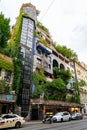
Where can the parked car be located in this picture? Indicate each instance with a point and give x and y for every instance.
(61, 116)
(76, 116)
(11, 120)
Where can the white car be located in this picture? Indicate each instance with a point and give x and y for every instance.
(61, 116)
(11, 120)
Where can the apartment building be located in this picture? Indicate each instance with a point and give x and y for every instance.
(7, 95)
(37, 50)
(47, 56)
(81, 72)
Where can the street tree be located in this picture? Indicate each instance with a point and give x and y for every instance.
(4, 31)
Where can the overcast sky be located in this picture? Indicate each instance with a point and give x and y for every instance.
(65, 19)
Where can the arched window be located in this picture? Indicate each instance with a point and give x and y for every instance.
(55, 63)
(62, 66)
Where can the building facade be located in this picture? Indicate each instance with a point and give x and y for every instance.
(81, 71)
(36, 50)
(7, 95)
(26, 54)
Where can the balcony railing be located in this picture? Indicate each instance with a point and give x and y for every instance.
(7, 97)
(48, 70)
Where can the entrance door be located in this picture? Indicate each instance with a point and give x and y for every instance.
(4, 108)
(34, 114)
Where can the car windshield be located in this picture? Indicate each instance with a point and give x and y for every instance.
(59, 113)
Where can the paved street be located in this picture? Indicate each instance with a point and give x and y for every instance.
(72, 125)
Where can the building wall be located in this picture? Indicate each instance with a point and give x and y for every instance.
(81, 71)
(7, 99)
(9, 78)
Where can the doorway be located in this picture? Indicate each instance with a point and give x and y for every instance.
(34, 114)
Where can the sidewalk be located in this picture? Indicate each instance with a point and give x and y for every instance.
(34, 122)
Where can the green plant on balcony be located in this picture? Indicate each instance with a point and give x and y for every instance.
(38, 34)
(6, 65)
(40, 25)
(44, 42)
(4, 87)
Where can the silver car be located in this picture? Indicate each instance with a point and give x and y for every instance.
(76, 116)
(61, 116)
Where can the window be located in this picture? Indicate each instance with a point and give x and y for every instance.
(49, 66)
(49, 59)
(65, 113)
(7, 76)
(39, 52)
(39, 61)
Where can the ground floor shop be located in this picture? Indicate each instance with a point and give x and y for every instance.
(6, 107)
(40, 108)
(7, 102)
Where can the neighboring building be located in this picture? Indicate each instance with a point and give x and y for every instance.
(7, 96)
(81, 72)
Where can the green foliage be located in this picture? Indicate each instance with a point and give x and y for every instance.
(54, 44)
(59, 85)
(55, 90)
(39, 80)
(6, 65)
(4, 31)
(65, 75)
(82, 83)
(17, 75)
(75, 93)
(4, 87)
(43, 41)
(37, 33)
(42, 27)
(67, 52)
(14, 45)
(74, 99)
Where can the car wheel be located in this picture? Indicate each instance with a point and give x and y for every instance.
(69, 119)
(61, 119)
(17, 125)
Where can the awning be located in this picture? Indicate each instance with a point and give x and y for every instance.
(55, 103)
(44, 49)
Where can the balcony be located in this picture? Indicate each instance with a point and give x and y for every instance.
(7, 98)
(48, 70)
(49, 79)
